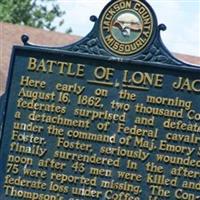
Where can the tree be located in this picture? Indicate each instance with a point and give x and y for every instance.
(35, 13)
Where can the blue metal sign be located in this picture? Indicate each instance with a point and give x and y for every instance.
(114, 116)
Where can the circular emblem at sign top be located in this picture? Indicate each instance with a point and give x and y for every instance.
(126, 27)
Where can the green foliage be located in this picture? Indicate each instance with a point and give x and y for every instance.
(35, 13)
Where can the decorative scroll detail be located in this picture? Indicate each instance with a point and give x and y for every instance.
(157, 52)
(90, 46)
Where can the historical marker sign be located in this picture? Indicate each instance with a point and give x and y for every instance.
(113, 116)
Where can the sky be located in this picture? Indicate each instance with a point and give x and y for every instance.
(182, 18)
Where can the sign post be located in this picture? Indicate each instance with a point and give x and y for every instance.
(114, 116)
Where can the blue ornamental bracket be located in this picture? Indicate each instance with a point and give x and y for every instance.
(153, 51)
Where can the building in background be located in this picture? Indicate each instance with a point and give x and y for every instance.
(11, 35)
